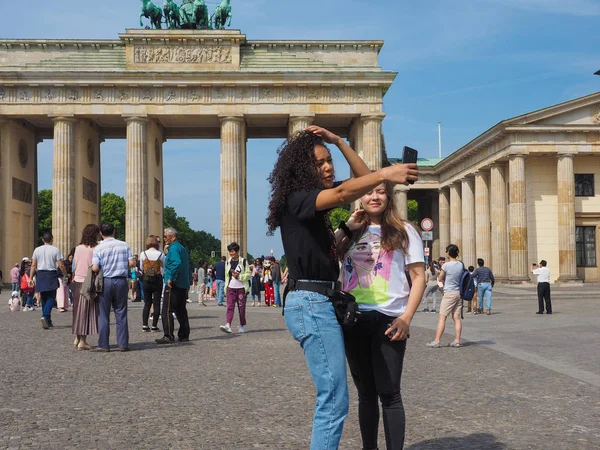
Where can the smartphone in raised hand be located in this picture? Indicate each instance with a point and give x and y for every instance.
(409, 156)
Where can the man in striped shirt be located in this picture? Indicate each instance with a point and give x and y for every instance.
(485, 283)
(115, 259)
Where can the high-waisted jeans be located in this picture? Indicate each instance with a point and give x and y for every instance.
(311, 319)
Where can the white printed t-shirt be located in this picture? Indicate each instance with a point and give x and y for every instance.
(377, 278)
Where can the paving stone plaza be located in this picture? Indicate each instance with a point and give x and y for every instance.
(522, 381)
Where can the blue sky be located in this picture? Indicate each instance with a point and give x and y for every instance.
(465, 63)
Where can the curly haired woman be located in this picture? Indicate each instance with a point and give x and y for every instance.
(303, 191)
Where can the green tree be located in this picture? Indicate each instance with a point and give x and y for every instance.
(338, 215)
(112, 210)
(44, 211)
(413, 212)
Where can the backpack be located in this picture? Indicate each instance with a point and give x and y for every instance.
(25, 283)
(467, 285)
(151, 269)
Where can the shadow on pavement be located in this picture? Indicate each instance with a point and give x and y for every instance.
(202, 317)
(274, 330)
(469, 343)
(477, 441)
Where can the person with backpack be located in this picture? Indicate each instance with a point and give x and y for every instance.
(452, 276)
(152, 262)
(237, 286)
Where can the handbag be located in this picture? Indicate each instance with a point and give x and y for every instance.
(346, 309)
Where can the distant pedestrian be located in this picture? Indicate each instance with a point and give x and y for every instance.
(152, 263)
(257, 282)
(14, 304)
(276, 275)
(201, 272)
(432, 288)
(543, 287)
(268, 283)
(26, 289)
(450, 275)
(46, 259)
(472, 305)
(219, 276)
(85, 310)
(115, 259)
(177, 275)
(237, 282)
(14, 278)
(194, 287)
(485, 283)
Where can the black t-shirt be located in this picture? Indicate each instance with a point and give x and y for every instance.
(308, 239)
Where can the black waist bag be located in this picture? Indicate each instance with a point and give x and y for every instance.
(346, 309)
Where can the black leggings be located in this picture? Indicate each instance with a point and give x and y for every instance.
(376, 367)
(152, 294)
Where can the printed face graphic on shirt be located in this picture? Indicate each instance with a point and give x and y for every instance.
(365, 258)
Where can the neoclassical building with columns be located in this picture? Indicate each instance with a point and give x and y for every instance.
(525, 190)
(148, 86)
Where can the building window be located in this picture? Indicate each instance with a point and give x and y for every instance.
(584, 185)
(585, 238)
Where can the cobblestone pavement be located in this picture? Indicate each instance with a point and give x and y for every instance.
(522, 382)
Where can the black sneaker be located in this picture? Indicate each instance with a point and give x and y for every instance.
(184, 339)
(146, 328)
(154, 329)
(165, 340)
(45, 325)
(540, 312)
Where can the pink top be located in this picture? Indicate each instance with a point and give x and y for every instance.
(14, 275)
(82, 261)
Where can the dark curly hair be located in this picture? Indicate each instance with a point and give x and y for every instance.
(89, 236)
(295, 170)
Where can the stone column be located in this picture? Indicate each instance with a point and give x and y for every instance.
(371, 149)
(435, 216)
(299, 123)
(63, 184)
(444, 211)
(483, 247)
(233, 203)
(566, 218)
(518, 220)
(468, 221)
(136, 185)
(401, 200)
(456, 216)
(499, 219)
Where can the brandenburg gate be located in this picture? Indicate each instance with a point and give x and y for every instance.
(152, 85)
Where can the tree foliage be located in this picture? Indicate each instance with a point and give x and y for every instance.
(112, 210)
(337, 215)
(413, 212)
(199, 244)
(44, 211)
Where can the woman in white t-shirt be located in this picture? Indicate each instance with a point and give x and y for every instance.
(377, 246)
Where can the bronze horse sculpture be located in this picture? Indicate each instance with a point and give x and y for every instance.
(152, 12)
(222, 13)
(171, 11)
(194, 15)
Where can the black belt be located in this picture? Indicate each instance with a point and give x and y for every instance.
(326, 288)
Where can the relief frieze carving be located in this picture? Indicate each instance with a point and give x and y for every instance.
(157, 191)
(167, 54)
(2, 94)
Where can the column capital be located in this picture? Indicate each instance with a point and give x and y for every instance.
(307, 116)
(63, 118)
(497, 165)
(232, 118)
(514, 156)
(372, 116)
(443, 189)
(561, 155)
(135, 118)
(401, 188)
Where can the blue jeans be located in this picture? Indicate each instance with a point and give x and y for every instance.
(115, 295)
(15, 286)
(312, 322)
(484, 289)
(28, 299)
(220, 291)
(48, 302)
(277, 287)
